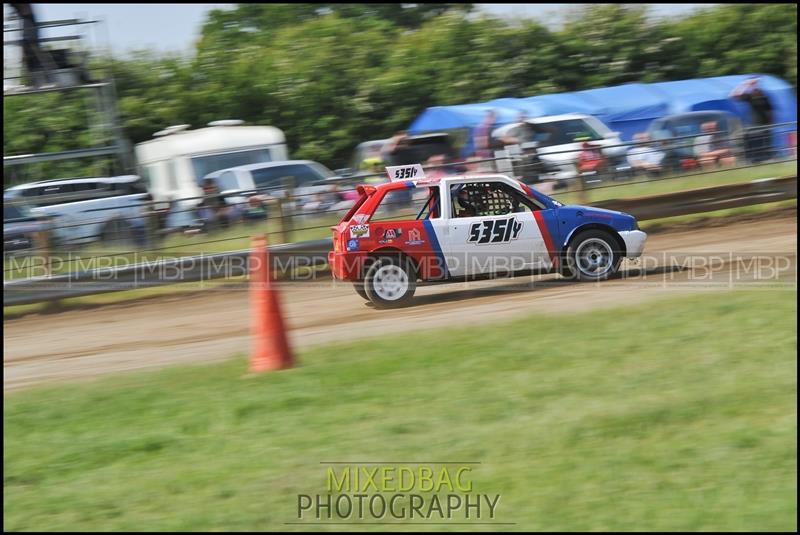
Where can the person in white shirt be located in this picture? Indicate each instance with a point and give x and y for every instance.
(712, 148)
(645, 156)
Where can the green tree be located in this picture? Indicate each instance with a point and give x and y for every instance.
(737, 39)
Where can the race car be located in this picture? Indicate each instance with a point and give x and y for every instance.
(470, 227)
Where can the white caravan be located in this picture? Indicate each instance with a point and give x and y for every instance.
(174, 163)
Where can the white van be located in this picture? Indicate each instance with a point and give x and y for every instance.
(558, 140)
(174, 163)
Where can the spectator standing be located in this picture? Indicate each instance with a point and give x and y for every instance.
(482, 136)
(761, 114)
(482, 141)
(398, 151)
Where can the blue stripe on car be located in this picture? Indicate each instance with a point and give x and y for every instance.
(436, 248)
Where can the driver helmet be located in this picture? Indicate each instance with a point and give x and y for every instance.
(466, 201)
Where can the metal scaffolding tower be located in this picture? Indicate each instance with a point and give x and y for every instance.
(59, 64)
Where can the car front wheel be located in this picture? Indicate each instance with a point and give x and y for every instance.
(390, 282)
(593, 255)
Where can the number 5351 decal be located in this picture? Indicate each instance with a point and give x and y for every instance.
(495, 231)
(405, 172)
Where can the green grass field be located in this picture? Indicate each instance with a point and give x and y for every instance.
(669, 184)
(677, 415)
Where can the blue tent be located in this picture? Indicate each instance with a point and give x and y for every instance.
(627, 108)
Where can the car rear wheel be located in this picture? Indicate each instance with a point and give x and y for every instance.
(592, 255)
(390, 282)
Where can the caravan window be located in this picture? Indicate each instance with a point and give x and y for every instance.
(204, 165)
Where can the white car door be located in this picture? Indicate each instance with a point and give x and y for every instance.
(497, 240)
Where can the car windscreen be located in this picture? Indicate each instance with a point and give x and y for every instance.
(298, 175)
(11, 211)
(522, 131)
(204, 165)
(564, 132)
(692, 125)
(229, 181)
(423, 148)
(51, 194)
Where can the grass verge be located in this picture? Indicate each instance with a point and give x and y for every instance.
(679, 415)
(670, 184)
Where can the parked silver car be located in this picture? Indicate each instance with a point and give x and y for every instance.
(311, 186)
(85, 210)
(677, 132)
(21, 229)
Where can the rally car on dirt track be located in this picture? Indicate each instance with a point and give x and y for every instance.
(468, 227)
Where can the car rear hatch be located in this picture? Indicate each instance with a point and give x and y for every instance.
(339, 230)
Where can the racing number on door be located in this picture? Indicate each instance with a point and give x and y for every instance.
(495, 231)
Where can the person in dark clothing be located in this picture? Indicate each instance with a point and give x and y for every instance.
(213, 211)
(759, 141)
(398, 151)
(482, 136)
(31, 53)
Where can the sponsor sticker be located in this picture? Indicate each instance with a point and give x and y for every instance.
(359, 231)
(360, 218)
(392, 233)
(352, 245)
(414, 237)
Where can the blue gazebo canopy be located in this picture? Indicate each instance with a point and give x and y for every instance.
(627, 108)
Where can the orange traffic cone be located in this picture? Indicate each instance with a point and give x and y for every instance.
(270, 343)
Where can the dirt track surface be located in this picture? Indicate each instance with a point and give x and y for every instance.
(215, 325)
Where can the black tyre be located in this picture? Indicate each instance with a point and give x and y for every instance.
(592, 255)
(390, 282)
(359, 288)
